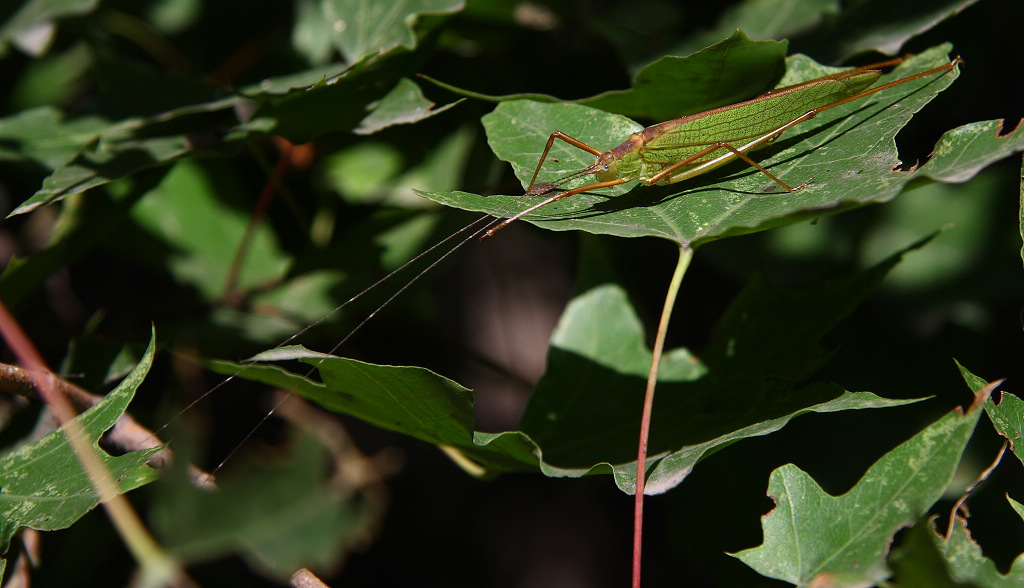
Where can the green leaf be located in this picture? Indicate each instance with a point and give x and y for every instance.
(964, 151)
(1007, 415)
(89, 152)
(1017, 507)
(312, 33)
(724, 73)
(404, 104)
(811, 537)
(43, 486)
(363, 27)
(849, 152)
(201, 252)
(727, 71)
(585, 411)
(1022, 209)
(918, 562)
(764, 19)
(858, 28)
(962, 210)
(967, 563)
(42, 135)
(32, 27)
(830, 30)
(409, 400)
(1008, 418)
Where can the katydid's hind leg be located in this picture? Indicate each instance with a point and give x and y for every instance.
(531, 189)
(667, 172)
(756, 165)
(879, 65)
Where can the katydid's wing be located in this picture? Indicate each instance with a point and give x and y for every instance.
(745, 126)
(755, 118)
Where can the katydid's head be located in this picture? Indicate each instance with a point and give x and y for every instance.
(606, 168)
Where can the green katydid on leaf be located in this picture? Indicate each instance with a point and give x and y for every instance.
(846, 155)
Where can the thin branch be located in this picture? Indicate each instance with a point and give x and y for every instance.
(155, 564)
(126, 434)
(959, 504)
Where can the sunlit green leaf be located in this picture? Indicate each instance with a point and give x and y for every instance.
(811, 537)
(365, 27)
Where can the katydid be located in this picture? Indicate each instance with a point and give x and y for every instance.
(688, 146)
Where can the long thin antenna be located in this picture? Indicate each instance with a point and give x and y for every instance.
(482, 228)
(284, 398)
(334, 311)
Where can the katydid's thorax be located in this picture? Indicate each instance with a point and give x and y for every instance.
(629, 160)
(623, 161)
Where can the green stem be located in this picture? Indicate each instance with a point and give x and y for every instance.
(685, 255)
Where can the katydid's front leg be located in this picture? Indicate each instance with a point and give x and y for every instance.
(543, 157)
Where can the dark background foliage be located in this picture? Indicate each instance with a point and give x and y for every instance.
(484, 318)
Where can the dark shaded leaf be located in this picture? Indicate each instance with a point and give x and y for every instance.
(278, 515)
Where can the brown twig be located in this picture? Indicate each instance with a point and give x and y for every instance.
(959, 504)
(255, 218)
(126, 434)
(354, 470)
(306, 579)
(155, 564)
